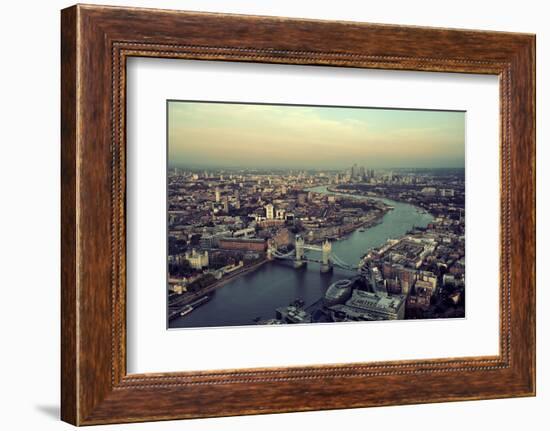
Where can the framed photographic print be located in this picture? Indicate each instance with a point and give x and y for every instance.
(321, 214)
(269, 202)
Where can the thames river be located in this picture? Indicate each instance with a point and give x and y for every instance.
(256, 295)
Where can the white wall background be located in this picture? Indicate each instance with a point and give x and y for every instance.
(29, 215)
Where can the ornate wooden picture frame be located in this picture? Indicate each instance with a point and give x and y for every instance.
(96, 41)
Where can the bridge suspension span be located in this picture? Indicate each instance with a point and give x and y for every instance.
(300, 258)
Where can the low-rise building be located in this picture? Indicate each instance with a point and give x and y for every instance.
(197, 260)
(244, 244)
(365, 305)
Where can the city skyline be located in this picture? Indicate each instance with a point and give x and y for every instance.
(257, 136)
(246, 248)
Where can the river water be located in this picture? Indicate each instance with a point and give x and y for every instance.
(275, 284)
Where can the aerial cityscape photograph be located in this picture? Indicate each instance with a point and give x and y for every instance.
(295, 214)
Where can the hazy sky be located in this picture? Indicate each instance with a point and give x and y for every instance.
(270, 136)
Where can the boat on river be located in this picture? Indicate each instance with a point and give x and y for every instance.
(186, 310)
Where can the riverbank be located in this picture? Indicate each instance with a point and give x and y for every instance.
(358, 194)
(187, 299)
(350, 229)
(367, 224)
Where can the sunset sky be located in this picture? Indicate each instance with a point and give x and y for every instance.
(220, 135)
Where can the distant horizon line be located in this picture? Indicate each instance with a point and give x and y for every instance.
(233, 168)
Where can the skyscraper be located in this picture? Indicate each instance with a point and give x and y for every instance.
(237, 199)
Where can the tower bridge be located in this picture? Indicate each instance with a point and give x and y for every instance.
(327, 261)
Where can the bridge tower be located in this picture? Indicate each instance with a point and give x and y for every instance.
(271, 249)
(299, 248)
(326, 249)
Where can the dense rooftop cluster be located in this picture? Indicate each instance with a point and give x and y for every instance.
(222, 223)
